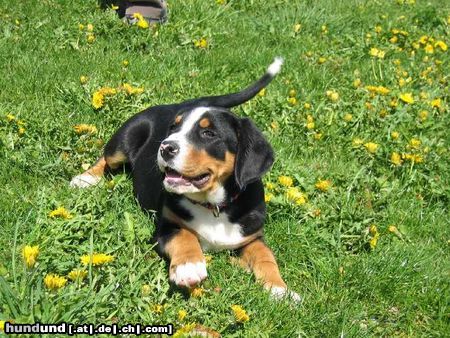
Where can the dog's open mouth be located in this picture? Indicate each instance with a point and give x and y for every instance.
(174, 178)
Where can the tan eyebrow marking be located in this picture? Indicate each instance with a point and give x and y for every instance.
(178, 119)
(205, 123)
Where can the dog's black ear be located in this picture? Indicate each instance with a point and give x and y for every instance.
(254, 154)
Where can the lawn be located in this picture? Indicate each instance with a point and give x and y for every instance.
(358, 196)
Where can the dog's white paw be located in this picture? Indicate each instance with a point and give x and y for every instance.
(84, 181)
(280, 293)
(189, 274)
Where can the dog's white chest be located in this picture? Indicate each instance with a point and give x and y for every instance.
(215, 233)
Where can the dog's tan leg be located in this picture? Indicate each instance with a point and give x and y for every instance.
(260, 259)
(187, 263)
(93, 175)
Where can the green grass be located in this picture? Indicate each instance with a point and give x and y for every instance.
(400, 287)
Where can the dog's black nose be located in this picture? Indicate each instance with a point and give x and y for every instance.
(169, 149)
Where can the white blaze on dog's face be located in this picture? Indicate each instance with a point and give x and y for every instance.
(199, 153)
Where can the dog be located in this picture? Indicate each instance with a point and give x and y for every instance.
(200, 167)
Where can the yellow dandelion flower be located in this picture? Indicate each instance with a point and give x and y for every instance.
(90, 38)
(132, 90)
(393, 230)
(394, 39)
(138, 16)
(415, 143)
(318, 135)
(286, 181)
(196, 292)
(378, 29)
(375, 236)
(181, 315)
(83, 79)
(293, 193)
(85, 129)
(436, 103)
(240, 315)
(316, 212)
(208, 259)
(21, 131)
(80, 26)
(292, 101)
(356, 142)
(98, 100)
(54, 282)
(407, 98)
(309, 118)
(322, 60)
(29, 255)
(142, 24)
(429, 49)
(292, 93)
(348, 117)
(310, 125)
(423, 39)
(297, 27)
(114, 8)
(158, 308)
(270, 186)
(368, 105)
(268, 197)
(108, 91)
(90, 27)
(274, 125)
(202, 43)
(414, 158)
(396, 159)
(378, 90)
(395, 135)
(357, 83)
(60, 212)
(323, 185)
(184, 330)
(307, 105)
(10, 117)
(423, 115)
(383, 113)
(441, 44)
(262, 92)
(145, 290)
(125, 63)
(77, 275)
(378, 53)
(332, 95)
(96, 259)
(371, 147)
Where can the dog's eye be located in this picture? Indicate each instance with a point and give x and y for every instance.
(208, 133)
(172, 127)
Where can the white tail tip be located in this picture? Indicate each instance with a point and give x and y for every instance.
(275, 66)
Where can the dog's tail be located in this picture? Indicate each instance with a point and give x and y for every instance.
(235, 99)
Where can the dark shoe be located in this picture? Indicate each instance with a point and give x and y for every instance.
(151, 10)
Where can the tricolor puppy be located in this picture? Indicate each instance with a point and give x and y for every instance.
(200, 167)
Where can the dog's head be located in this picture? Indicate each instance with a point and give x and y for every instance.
(207, 147)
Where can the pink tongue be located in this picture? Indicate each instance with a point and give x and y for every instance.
(176, 179)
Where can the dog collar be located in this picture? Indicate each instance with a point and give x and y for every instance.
(215, 208)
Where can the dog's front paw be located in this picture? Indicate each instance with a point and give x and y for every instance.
(279, 293)
(84, 181)
(188, 274)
